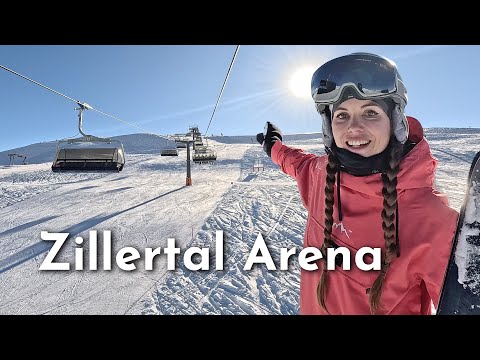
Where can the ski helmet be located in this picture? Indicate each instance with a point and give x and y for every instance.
(362, 76)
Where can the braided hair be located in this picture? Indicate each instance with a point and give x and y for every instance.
(389, 217)
(332, 166)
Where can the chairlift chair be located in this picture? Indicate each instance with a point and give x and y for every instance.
(88, 152)
(169, 151)
(201, 148)
(198, 140)
(180, 145)
(203, 154)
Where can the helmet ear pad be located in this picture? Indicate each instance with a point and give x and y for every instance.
(399, 124)
(327, 127)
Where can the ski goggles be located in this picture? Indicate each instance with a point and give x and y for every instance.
(371, 76)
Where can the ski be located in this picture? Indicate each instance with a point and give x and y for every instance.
(461, 287)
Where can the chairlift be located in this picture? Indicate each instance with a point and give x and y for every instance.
(12, 158)
(201, 148)
(180, 145)
(193, 130)
(204, 155)
(169, 151)
(88, 152)
(198, 141)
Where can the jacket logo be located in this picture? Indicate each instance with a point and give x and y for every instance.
(342, 229)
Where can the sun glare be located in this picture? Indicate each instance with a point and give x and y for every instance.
(300, 82)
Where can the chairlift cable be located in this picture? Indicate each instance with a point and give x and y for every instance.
(83, 105)
(35, 82)
(138, 127)
(223, 87)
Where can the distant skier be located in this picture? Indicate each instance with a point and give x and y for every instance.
(374, 188)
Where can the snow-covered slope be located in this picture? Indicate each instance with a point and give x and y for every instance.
(148, 203)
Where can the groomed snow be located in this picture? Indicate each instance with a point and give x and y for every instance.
(147, 203)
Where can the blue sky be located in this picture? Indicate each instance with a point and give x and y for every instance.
(166, 88)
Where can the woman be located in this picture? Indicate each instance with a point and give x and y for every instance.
(374, 188)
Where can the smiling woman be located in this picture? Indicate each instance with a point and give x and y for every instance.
(374, 188)
(362, 126)
(300, 82)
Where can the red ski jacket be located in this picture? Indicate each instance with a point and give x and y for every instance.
(426, 228)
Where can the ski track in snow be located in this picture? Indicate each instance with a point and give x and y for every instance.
(147, 203)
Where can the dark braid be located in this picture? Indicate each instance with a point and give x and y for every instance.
(389, 191)
(390, 206)
(332, 166)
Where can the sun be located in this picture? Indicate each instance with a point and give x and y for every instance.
(300, 82)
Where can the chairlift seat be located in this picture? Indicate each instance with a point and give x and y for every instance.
(201, 149)
(169, 152)
(204, 157)
(89, 153)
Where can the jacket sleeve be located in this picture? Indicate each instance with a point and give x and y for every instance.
(434, 261)
(297, 164)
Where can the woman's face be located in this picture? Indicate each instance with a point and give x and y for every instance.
(361, 126)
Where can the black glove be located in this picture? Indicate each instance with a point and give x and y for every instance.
(269, 137)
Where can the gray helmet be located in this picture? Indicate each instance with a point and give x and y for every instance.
(361, 76)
